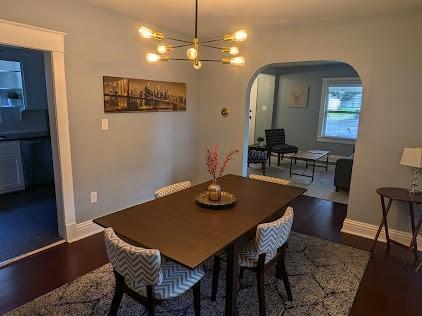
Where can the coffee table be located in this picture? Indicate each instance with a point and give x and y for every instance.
(311, 157)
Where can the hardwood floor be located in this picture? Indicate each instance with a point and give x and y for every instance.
(386, 288)
(29, 220)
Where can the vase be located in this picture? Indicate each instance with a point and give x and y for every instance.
(214, 191)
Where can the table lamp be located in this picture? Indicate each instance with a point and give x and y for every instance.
(412, 157)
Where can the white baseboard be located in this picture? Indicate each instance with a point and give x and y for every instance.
(369, 231)
(76, 232)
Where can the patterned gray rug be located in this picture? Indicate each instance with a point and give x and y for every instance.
(322, 187)
(324, 277)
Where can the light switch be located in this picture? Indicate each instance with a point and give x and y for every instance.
(104, 124)
(93, 197)
(264, 108)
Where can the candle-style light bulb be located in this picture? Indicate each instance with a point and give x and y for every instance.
(192, 53)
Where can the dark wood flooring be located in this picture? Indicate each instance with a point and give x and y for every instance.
(28, 221)
(386, 288)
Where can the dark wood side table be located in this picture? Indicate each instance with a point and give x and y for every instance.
(258, 147)
(401, 195)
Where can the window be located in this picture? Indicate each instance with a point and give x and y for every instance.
(11, 87)
(341, 100)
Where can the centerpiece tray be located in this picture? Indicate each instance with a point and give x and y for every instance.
(227, 200)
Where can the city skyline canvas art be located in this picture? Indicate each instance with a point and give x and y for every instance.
(142, 95)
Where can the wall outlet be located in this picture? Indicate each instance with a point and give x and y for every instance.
(93, 197)
(104, 124)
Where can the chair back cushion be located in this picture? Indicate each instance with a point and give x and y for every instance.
(275, 137)
(138, 266)
(269, 179)
(271, 236)
(173, 188)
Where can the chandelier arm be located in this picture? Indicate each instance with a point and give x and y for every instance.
(184, 45)
(178, 40)
(212, 60)
(196, 18)
(214, 40)
(210, 46)
(183, 59)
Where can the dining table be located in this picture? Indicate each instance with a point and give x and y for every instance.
(190, 234)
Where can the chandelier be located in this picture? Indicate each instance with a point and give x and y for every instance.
(230, 53)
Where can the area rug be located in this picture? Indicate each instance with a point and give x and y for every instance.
(322, 187)
(324, 277)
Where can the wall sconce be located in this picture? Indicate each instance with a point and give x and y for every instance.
(225, 112)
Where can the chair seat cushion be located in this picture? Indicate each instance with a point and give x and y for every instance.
(255, 156)
(248, 256)
(284, 149)
(176, 281)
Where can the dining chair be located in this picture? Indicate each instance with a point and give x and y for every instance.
(173, 188)
(268, 247)
(140, 274)
(270, 179)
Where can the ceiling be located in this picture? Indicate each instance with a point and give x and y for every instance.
(223, 16)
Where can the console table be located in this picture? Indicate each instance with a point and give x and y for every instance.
(401, 195)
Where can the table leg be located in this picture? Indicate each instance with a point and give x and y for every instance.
(415, 232)
(412, 222)
(383, 222)
(291, 163)
(232, 277)
(313, 170)
(326, 166)
(384, 213)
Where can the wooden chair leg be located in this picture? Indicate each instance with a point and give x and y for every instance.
(150, 301)
(261, 291)
(197, 298)
(263, 168)
(269, 158)
(281, 272)
(278, 160)
(118, 295)
(215, 274)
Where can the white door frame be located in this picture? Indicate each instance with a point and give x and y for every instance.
(26, 36)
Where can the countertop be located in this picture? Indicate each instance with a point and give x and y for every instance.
(22, 136)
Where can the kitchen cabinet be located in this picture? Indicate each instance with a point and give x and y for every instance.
(35, 89)
(32, 68)
(11, 170)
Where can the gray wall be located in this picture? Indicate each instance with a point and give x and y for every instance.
(141, 151)
(301, 124)
(264, 104)
(384, 50)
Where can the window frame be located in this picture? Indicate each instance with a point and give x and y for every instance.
(326, 82)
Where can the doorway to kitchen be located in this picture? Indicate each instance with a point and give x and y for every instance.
(28, 207)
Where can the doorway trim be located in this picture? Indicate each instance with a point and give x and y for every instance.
(27, 36)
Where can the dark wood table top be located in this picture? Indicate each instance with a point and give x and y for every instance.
(189, 234)
(400, 194)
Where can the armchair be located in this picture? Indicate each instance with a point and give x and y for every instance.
(276, 143)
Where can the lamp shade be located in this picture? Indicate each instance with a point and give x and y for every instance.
(412, 156)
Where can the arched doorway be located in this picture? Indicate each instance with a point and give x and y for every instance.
(313, 107)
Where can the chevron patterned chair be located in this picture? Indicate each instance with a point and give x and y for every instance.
(268, 247)
(270, 179)
(140, 274)
(173, 188)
